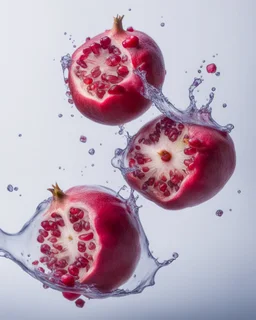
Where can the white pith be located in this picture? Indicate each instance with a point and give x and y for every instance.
(69, 238)
(99, 60)
(158, 167)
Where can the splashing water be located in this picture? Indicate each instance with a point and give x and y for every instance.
(24, 249)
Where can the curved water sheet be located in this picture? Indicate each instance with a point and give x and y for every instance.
(24, 249)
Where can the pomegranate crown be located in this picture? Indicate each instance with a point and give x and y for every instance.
(56, 192)
(118, 25)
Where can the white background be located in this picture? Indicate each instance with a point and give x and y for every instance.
(214, 276)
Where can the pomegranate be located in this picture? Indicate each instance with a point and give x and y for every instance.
(179, 165)
(101, 79)
(211, 68)
(89, 236)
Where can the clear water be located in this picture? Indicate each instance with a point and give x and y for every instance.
(23, 249)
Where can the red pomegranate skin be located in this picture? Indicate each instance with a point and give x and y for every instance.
(214, 164)
(118, 234)
(121, 108)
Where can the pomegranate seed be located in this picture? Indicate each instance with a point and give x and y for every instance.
(44, 259)
(52, 225)
(51, 262)
(55, 215)
(35, 263)
(114, 79)
(95, 72)
(175, 179)
(41, 269)
(73, 210)
(95, 47)
(140, 160)
(132, 163)
(131, 42)
(56, 233)
(187, 162)
(60, 222)
(73, 270)
(116, 51)
(88, 80)
(40, 239)
(59, 273)
(86, 225)
(167, 193)
(86, 236)
(104, 77)
(53, 239)
(181, 126)
(57, 246)
(81, 63)
(145, 186)
(211, 68)
(140, 175)
(165, 155)
(190, 151)
(102, 85)
(78, 227)
(111, 49)
(45, 248)
(130, 29)
(62, 263)
(151, 181)
(92, 246)
(105, 42)
(81, 246)
(80, 303)
(80, 214)
(87, 39)
(122, 71)
(116, 89)
(44, 233)
(124, 58)
(88, 257)
(73, 218)
(163, 187)
(84, 262)
(45, 225)
(100, 93)
(145, 169)
(191, 166)
(137, 147)
(86, 52)
(70, 295)
(91, 87)
(113, 60)
(68, 280)
(194, 142)
(163, 178)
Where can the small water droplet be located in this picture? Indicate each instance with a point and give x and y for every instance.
(199, 71)
(72, 115)
(92, 165)
(219, 213)
(60, 115)
(70, 101)
(230, 209)
(129, 9)
(213, 88)
(10, 188)
(224, 105)
(20, 135)
(83, 139)
(59, 168)
(203, 61)
(217, 74)
(239, 191)
(162, 24)
(65, 33)
(16, 189)
(91, 151)
(213, 56)
(175, 255)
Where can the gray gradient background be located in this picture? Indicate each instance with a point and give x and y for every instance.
(214, 277)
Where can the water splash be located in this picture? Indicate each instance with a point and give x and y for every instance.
(192, 115)
(24, 249)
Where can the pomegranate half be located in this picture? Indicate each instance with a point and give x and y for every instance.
(179, 165)
(102, 83)
(90, 236)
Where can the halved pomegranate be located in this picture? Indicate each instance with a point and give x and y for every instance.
(89, 236)
(179, 165)
(101, 79)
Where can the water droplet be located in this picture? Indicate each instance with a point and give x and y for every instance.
(130, 9)
(217, 74)
(175, 255)
(10, 188)
(230, 209)
(72, 115)
(213, 88)
(203, 61)
(70, 101)
(92, 164)
(239, 191)
(60, 115)
(162, 24)
(20, 135)
(65, 33)
(83, 139)
(16, 189)
(91, 152)
(224, 105)
(219, 213)
(59, 168)
(199, 71)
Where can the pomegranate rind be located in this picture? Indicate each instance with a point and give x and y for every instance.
(214, 164)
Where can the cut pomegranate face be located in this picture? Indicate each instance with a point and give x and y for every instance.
(86, 237)
(178, 165)
(101, 79)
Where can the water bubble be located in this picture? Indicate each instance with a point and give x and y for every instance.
(230, 209)
(20, 135)
(16, 189)
(60, 115)
(199, 71)
(72, 115)
(83, 139)
(91, 152)
(224, 105)
(175, 255)
(203, 61)
(219, 213)
(217, 74)
(10, 188)
(59, 168)
(239, 191)
(213, 89)
(162, 24)
(92, 164)
(129, 9)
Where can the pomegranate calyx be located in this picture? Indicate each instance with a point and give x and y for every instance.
(57, 192)
(118, 25)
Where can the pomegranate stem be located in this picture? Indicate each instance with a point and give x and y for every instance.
(118, 25)
(56, 192)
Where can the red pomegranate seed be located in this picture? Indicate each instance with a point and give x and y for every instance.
(145, 186)
(73, 210)
(86, 52)
(122, 71)
(62, 263)
(57, 246)
(113, 60)
(95, 47)
(68, 280)
(51, 262)
(55, 215)
(58, 273)
(80, 303)
(45, 248)
(45, 225)
(211, 68)
(114, 79)
(145, 169)
(105, 42)
(86, 236)
(191, 166)
(53, 239)
(167, 193)
(190, 151)
(41, 269)
(100, 93)
(163, 178)
(40, 239)
(88, 257)
(165, 155)
(131, 42)
(181, 126)
(73, 270)
(81, 63)
(104, 77)
(124, 58)
(86, 225)
(80, 214)
(56, 233)
(44, 233)
(60, 222)
(92, 246)
(132, 163)
(84, 262)
(73, 218)
(111, 49)
(35, 263)
(175, 179)
(88, 80)
(70, 295)
(151, 181)
(81, 246)
(44, 259)
(52, 225)
(95, 72)
(116, 51)
(130, 29)
(116, 89)
(78, 227)
(163, 187)
(91, 87)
